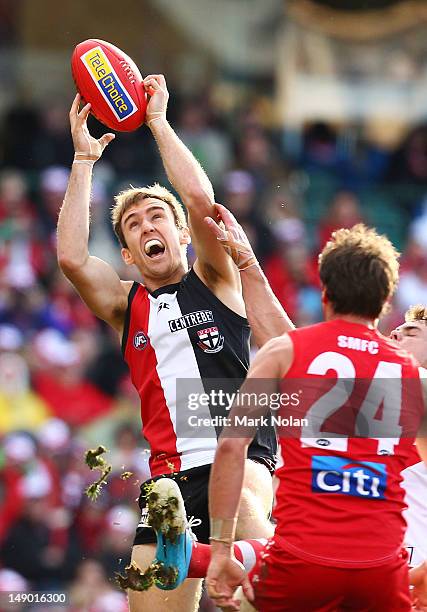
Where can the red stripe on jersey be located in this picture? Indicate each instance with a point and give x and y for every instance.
(140, 356)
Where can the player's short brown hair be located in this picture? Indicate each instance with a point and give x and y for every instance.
(128, 197)
(416, 313)
(359, 270)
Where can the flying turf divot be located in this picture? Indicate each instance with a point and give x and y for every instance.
(95, 461)
(156, 573)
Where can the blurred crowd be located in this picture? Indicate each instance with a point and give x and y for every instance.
(61, 372)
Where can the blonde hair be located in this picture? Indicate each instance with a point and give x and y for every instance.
(128, 197)
(359, 269)
(416, 313)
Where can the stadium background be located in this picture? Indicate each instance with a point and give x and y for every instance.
(307, 116)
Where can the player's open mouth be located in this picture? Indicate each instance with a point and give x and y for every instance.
(154, 248)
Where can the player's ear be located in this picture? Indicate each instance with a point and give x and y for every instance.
(324, 297)
(184, 235)
(388, 305)
(127, 257)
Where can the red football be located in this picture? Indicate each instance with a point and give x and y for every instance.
(108, 79)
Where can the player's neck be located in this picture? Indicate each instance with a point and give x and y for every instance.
(152, 284)
(349, 318)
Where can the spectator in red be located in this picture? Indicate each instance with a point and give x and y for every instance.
(90, 522)
(39, 544)
(291, 271)
(344, 211)
(59, 379)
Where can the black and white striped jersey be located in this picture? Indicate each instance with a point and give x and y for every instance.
(179, 339)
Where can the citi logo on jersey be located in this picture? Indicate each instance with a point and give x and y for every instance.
(108, 83)
(341, 475)
(140, 341)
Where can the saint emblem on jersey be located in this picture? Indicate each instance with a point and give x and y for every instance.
(163, 306)
(140, 341)
(210, 340)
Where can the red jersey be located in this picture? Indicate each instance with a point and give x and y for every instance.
(339, 501)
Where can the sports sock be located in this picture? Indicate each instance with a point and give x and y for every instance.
(245, 551)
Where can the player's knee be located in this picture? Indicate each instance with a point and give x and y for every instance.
(248, 501)
(253, 517)
(253, 505)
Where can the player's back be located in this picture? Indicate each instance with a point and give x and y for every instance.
(339, 500)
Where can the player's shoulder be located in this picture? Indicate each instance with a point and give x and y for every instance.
(130, 290)
(278, 346)
(276, 355)
(121, 309)
(310, 330)
(128, 285)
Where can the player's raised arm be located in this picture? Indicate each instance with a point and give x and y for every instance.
(192, 184)
(95, 280)
(266, 315)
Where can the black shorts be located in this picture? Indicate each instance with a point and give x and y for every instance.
(193, 484)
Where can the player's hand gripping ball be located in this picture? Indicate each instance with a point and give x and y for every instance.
(108, 79)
